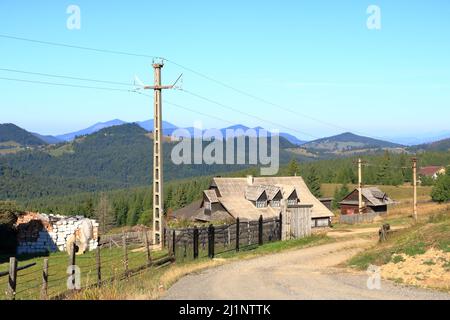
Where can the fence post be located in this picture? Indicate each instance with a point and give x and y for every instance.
(72, 263)
(281, 227)
(211, 241)
(44, 290)
(174, 241)
(99, 267)
(260, 233)
(147, 248)
(125, 253)
(12, 277)
(237, 234)
(195, 244)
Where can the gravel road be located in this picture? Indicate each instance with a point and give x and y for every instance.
(293, 275)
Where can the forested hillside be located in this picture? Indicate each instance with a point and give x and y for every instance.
(385, 169)
(113, 158)
(12, 133)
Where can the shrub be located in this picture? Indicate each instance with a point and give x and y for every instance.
(441, 191)
(8, 236)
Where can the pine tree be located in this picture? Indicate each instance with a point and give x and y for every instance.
(104, 214)
(293, 168)
(383, 174)
(313, 182)
(339, 195)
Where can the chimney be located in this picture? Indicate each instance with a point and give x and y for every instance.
(250, 180)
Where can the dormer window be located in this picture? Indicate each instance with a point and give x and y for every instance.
(275, 203)
(261, 203)
(207, 205)
(292, 200)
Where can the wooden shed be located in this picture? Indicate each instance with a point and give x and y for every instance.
(374, 200)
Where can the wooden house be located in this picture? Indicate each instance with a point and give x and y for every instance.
(252, 197)
(374, 200)
(432, 171)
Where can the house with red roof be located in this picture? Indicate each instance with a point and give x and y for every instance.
(432, 171)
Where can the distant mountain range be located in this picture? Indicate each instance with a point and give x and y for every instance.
(424, 138)
(348, 142)
(168, 129)
(14, 138)
(441, 145)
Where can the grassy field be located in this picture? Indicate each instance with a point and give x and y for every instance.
(400, 193)
(151, 283)
(29, 281)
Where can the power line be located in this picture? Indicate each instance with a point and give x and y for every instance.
(123, 90)
(58, 44)
(65, 77)
(378, 166)
(187, 109)
(223, 84)
(63, 84)
(112, 89)
(245, 113)
(200, 74)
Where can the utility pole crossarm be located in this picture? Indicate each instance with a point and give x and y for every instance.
(158, 87)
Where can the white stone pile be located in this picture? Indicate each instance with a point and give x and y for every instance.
(40, 233)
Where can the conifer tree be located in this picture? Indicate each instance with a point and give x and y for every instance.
(313, 182)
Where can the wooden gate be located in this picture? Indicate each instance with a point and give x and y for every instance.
(297, 222)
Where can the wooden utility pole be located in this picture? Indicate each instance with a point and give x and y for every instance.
(360, 202)
(158, 196)
(414, 160)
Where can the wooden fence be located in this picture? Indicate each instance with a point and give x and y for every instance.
(193, 243)
(359, 218)
(120, 256)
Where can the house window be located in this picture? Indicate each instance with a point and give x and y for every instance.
(208, 205)
(292, 202)
(261, 204)
(275, 203)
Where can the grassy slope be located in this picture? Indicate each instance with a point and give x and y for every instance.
(431, 232)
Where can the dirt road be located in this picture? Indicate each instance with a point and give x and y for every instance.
(301, 274)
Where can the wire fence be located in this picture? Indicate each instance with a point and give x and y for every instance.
(120, 256)
(51, 277)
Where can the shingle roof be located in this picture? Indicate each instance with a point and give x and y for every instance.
(374, 195)
(253, 193)
(211, 195)
(271, 191)
(233, 196)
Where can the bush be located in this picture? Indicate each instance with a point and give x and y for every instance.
(441, 191)
(8, 236)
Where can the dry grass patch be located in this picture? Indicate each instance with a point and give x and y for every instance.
(418, 255)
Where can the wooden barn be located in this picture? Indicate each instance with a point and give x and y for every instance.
(374, 200)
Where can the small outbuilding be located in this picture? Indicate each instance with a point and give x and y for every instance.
(374, 200)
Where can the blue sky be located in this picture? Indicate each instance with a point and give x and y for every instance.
(315, 57)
